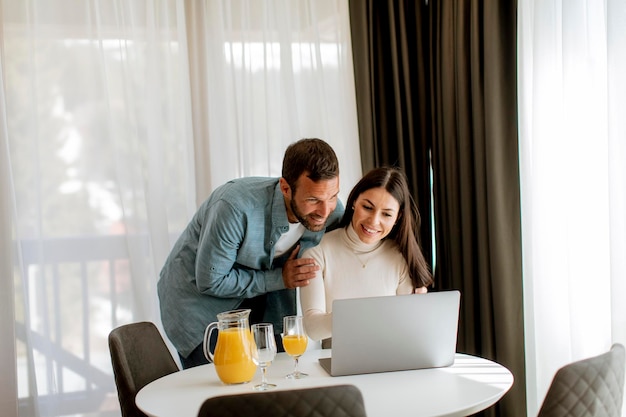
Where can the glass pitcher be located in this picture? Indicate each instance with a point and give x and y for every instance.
(233, 351)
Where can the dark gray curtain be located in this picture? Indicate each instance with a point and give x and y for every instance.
(391, 88)
(438, 78)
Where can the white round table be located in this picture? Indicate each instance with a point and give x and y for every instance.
(470, 385)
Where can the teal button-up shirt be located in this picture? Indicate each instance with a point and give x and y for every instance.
(225, 255)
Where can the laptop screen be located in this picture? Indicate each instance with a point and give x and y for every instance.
(391, 333)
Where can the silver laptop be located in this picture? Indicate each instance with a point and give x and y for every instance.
(393, 333)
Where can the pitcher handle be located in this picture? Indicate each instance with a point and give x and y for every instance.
(206, 343)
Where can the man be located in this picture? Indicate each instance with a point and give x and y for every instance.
(241, 248)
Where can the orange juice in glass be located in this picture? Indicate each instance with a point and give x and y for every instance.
(295, 344)
(294, 341)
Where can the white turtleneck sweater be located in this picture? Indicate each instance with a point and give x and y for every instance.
(349, 268)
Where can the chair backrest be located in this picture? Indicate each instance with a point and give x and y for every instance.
(139, 356)
(331, 401)
(592, 387)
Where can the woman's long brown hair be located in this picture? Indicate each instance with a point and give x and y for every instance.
(405, 231)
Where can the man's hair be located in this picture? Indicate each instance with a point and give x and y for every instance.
(312, 156)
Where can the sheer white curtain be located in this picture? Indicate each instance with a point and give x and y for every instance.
(276, 71)
(117, 118)
(8, 381)
(100, 176)
(572, 101)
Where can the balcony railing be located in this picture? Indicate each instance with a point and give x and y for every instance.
(74, 291)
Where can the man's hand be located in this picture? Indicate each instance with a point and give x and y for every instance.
(298, 272)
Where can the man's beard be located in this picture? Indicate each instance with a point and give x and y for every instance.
(304, 219)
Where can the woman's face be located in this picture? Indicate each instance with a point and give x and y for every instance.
(375, 214)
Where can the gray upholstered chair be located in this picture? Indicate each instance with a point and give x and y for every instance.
(139, 356)
(331, 401)
(592, 387)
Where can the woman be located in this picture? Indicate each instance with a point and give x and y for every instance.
(375, 251)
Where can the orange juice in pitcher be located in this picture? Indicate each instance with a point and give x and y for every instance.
(233, 351)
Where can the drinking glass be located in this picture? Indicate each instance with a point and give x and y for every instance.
(264, 351)
(294, 341)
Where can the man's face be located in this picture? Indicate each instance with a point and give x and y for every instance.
(312, 202)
